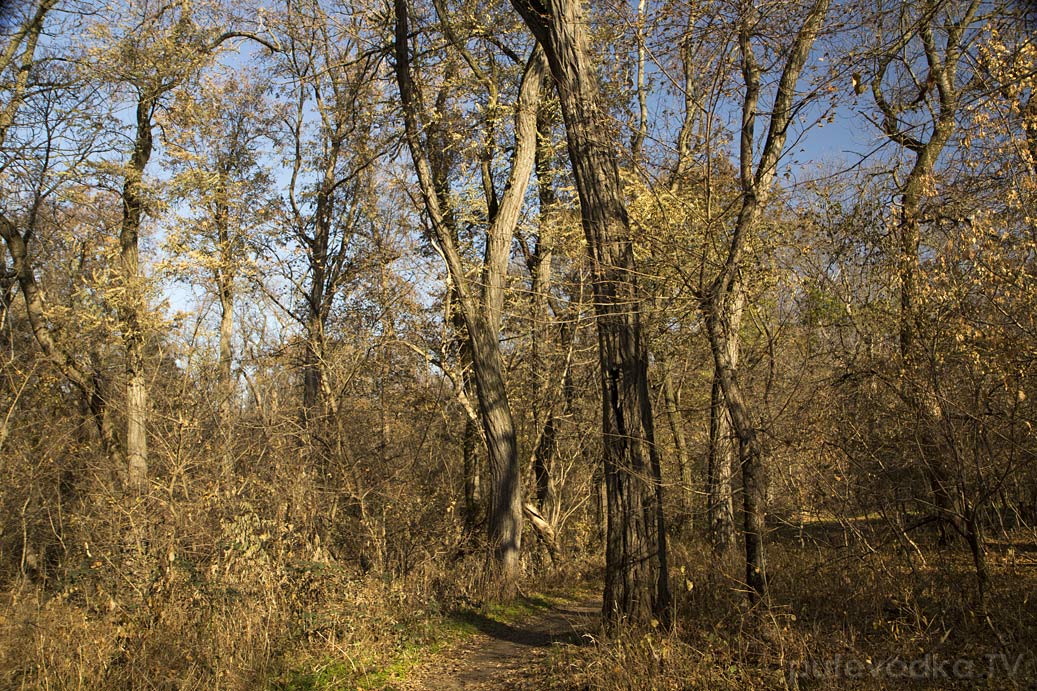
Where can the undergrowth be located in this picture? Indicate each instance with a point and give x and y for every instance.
(839, 619)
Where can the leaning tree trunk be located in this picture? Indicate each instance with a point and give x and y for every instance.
(636, 579)
(719, 325)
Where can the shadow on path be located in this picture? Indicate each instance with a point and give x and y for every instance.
(507, 656)
(529, 633)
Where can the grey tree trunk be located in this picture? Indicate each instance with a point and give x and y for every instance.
(720, 510)
(636, 574)
(722, 447)
(482, 317)
(754, 493)
(133, 304)
(721, 303)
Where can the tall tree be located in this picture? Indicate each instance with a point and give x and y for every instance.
(636, 575)
(331, 133)
(924, 72)
(721, 303)
(18, 60)
(154, 51)
(214, 140)
(480, 310)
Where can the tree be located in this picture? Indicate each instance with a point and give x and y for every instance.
(153, 54)
(926, 82)
(636, 573)
(920, 116)
(480, 310)
(18, 231)
(329, 131)
(213, 143)
(721, 303)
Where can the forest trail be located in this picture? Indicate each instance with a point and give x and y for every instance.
(507, 656)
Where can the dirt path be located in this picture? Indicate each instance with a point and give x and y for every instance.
(506, 656)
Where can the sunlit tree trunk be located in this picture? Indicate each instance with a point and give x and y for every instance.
(133, 301)
(723, 449)
(636, 574)
(539, 264)
(481, 310)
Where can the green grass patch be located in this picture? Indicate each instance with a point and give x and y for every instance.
(415, 644)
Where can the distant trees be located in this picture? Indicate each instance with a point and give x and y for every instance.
(329, 128)
(213, 146)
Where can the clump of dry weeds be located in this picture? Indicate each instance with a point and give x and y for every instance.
(839, 618)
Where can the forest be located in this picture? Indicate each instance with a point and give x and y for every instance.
(542, 344)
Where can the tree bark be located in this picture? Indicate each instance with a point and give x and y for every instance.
(470, 452)
(482, 317)
(720, 511)
(225, 288)
(722, 301)
(132, 303)
(636, 574)
(754, 492)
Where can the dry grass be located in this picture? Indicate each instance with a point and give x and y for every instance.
(840, 619)
(229, 595)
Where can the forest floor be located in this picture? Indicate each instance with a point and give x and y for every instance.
(507, 655)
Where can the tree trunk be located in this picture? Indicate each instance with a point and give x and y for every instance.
(504, 524)
(636, 578)
(482, 318)
(754, 493)
(722, 449)
(225, 384)
(722, 302)
(226, 335)
(672, 403)
(470, 451)
(720, 511)
(224, 275)
(311, 369)
(539, 264)
(132, 303)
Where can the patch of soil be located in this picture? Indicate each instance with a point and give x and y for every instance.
(506, 656)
